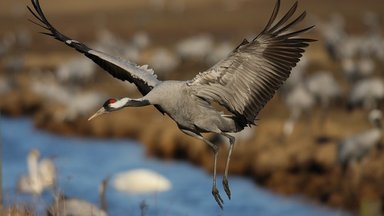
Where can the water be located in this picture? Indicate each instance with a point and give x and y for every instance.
(82, 163)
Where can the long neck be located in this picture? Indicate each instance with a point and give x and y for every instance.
(137, 102)
(102, 194)
(33, 172)
(129, 102)
(32, 166)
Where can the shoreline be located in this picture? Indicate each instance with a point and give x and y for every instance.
(305, 168)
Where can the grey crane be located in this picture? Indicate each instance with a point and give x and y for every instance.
(66, 206)
(356, 147)
(242, 83)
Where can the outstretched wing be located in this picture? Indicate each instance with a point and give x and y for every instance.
(249, 77)
(143, 77)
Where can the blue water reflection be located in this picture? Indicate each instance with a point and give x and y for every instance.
(82, 163)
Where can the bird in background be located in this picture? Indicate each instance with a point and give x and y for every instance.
(139, 181)
(354, 148)
(41, 174)
(242, 83)
(64, 205)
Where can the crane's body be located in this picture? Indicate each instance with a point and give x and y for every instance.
(356, 147)
(178, 100)
(242, 83)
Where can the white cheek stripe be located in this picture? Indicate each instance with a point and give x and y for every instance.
(120, 103)
(71, 41)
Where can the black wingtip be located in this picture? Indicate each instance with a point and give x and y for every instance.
(284, 19)
(273, 16)
(293, 34)
(291, 24)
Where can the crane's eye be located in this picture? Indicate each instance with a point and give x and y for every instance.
(109, 101)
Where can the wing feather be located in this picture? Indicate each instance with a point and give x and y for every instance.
(145, 79)
(249, 77)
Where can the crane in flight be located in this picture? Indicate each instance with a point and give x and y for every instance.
(242, 83)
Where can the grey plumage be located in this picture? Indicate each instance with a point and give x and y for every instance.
(242, 83)
(66, 206)
(356, 147)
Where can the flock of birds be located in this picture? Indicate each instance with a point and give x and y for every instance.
(358, 58)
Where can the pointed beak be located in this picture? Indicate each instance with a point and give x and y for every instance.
(99, 112)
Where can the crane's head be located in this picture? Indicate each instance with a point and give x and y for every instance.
(112, 105)
(108, 106)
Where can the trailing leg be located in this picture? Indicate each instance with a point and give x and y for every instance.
(225, 178)
(215, 149)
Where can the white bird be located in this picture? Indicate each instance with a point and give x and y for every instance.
(356, 147)
(40, 174)
(140, 181)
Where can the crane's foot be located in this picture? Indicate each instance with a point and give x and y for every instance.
(217, 197)
(226, 187)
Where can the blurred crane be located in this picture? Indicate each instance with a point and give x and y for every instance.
(65, 206)
(357, 69)
(219, 52)
(68, 71)
(333, 33)
(164, 61)
(75, 103)
(297, 76)
(242, 83)
(356, 147)
(195, 48)
(367, 93)
(299, 100)
(325, 90)
(320, 88)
